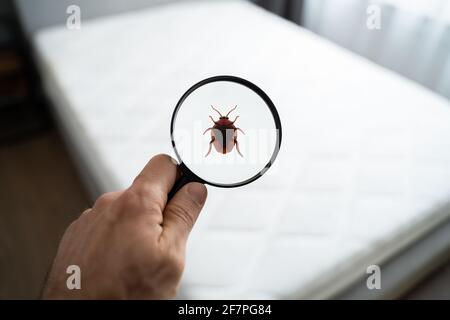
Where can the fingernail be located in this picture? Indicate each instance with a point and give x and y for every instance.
(197, 191)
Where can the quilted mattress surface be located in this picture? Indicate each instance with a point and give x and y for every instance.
(364, 166)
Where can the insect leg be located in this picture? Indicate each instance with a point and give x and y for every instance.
(210, 146)
(239, 129)
(237, 147)
(207, 130)
(235, 119)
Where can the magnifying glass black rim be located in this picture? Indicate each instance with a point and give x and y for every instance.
(185, 169)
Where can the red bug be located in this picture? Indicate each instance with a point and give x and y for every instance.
(224, 134)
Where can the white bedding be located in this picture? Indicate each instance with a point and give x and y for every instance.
(364, 166)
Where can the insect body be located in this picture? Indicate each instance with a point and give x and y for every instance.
(223, 134)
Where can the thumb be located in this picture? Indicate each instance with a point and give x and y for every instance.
(182, 211)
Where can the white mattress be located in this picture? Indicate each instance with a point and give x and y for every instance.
(364, 166)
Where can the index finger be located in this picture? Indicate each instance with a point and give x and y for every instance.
(157, 178)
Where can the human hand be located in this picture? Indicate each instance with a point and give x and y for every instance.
(131, 243)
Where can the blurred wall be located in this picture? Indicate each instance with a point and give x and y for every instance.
(36, 14)
(413, 43)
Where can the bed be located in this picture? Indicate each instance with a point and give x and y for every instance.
(363, 172)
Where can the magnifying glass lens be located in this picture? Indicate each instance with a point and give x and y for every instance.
(226, 131)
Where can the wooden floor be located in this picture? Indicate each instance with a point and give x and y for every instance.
(435, 286)
(40, 194)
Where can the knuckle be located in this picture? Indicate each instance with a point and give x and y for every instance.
(86, 211)
(128, 201)
(138, 179)
(85, 214)
(133, 201)
(73, 226)
(147, 190)
(104, 200)
(143, 188)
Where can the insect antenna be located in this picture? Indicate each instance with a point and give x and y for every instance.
(217, 111)
(231, 111)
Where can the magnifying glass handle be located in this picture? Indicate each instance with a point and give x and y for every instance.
(178, 185)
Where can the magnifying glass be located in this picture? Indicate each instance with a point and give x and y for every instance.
(226, 132)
